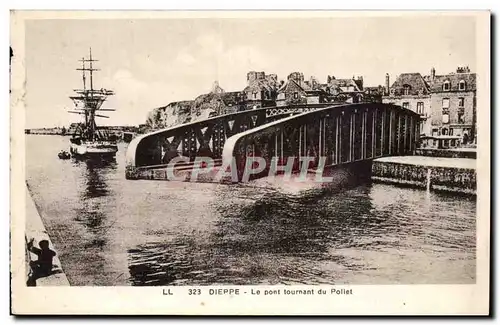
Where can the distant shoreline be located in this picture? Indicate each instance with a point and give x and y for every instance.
(46, 131)
(69, 131)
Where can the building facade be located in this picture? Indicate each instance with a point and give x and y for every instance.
(453, 102)
(411, 91)
(293, 91)
(261, 90)
(336, 86)
(298, 91)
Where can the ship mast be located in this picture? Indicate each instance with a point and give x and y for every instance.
(91, 99)
(92, 125)
(84, 88)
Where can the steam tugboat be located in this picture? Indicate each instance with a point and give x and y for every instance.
(88, 140)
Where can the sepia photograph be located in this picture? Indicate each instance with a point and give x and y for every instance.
(214, 155)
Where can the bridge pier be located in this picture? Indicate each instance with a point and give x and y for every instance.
(340, 177)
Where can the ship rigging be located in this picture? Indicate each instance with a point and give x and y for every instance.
(88, 139)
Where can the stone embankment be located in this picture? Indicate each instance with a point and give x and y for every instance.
(36, 230)
(449, 153)
(455, 175)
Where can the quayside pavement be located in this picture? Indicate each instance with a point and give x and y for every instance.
(36, 230)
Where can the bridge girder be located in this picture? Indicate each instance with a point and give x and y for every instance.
(329, 136)
(339, 133)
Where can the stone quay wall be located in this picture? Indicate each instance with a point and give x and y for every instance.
(446, 179)
(454, 153)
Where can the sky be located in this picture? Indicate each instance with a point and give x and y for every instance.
(152, 62)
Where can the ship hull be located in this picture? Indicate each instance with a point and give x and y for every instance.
(92, 149)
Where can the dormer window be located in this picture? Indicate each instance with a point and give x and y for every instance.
(461, 85)
(406, 89)
(446, 85)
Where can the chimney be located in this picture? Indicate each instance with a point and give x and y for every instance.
(251, 76)
(359, 82)
(387, 84)
(298, 77)
(272, 79)
(433, 73)
(216, 89)
(313, 82)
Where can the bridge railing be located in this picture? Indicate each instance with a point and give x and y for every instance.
(336, 134)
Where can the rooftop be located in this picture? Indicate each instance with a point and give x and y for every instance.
(414, 82)
(437, 85)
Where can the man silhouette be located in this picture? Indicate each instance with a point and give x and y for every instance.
(43, 266)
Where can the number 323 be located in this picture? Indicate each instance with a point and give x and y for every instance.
(196, 292)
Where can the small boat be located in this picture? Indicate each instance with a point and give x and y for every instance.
(64, 155)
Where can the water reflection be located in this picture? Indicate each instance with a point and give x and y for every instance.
(90, 211)
(95, 171)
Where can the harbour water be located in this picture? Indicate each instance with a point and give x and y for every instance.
(113, 231)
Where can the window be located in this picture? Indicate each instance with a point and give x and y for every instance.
(406, 89)
(461, 101)
(444, 131)
(451, 131)
(295, 95)
(446, 85)
(446, 110)
(461, 118)
(255, 95)
(420, 108)
(461, 85)
(406, 105)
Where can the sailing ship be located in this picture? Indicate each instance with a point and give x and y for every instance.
(88, 139)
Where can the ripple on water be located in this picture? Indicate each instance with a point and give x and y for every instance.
(112, 231)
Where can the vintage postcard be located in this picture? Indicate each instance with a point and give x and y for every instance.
(250, 162)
